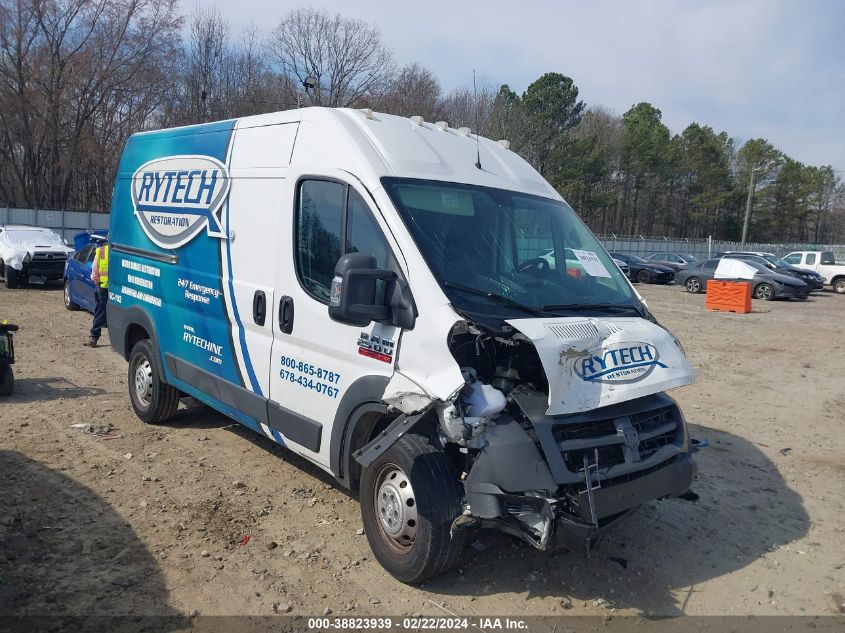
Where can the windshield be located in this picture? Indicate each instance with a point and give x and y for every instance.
(777, 261)
(506, 254)
(691, 258)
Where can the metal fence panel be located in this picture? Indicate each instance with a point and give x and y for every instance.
(66, 223)
(703, 248)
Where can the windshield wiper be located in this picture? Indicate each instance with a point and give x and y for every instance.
(576, 307)
(495, 297)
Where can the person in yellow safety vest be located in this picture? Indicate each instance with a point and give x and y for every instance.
(100, 277)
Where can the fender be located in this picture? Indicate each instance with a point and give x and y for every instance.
(120, 320)
(362, 397)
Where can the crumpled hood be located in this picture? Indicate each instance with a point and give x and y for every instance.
(592, 362)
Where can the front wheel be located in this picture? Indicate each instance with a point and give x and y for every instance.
(693, 285)
(69, 304)
(13, 278)
(644, 277)
(153, 400)
(764, 292)
(409, 497)
(839, 286)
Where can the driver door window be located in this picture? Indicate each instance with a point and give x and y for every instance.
(332, 220)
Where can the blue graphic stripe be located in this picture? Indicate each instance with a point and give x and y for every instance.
(241, 335)
(615, 369)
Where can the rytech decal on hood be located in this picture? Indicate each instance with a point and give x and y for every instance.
(594, 362)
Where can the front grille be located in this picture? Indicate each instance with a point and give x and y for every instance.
(625, 439)
(45, 258)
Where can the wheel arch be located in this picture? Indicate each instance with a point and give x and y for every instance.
(127, 326)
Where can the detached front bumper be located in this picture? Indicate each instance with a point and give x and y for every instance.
(553, 524)
(594, 468)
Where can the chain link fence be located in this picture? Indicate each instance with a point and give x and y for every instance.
(705, 248)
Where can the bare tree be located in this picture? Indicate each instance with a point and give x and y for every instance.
(345, 56)
(70, 72)
(414, 90)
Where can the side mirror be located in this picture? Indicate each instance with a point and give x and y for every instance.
(355, 298)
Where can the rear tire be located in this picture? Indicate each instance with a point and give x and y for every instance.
(409, 497)
(13, 279)
(693, 285)
(644, 277)
(7, 381)
(764, 292)
(70, 305)
(153, 400)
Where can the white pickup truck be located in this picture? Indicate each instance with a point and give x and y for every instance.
(822, 262)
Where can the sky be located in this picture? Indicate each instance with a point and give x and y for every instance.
(752, 68)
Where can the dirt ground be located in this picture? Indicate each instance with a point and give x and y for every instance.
(156, 520)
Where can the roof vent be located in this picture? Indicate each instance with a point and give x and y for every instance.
(368, 114)
(417, 120)
(464, 131)
(505, 144)
(442, 126)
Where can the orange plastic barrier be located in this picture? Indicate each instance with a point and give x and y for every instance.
(728, 296)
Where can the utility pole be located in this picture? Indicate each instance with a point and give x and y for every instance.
(748, 206)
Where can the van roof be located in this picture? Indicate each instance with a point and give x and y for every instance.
(373, 145)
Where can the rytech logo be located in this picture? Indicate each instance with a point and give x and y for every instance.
(177, 196)
(618, 363)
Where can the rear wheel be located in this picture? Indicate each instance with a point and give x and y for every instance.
(693, 285)
(839, 285)
(644, 277)
(409, 497)
(153, 400)
(7, 380)
(764, 292)
(69, 304)
(13, 278)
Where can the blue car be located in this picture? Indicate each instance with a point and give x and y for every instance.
(79, 289)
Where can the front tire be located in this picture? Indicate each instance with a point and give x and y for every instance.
(409, 497)
(839, 286)
(764, 292)
(644, 277)
(153, 400)
(69, 304)
(13, 279)
(693, 285)
(7, 381)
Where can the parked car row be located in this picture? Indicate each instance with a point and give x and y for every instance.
(793, 276)
(31, 254)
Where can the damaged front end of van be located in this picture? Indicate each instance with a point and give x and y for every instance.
(560, 427)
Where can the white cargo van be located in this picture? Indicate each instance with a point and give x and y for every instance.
(379, 294)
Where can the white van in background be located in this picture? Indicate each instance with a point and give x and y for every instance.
(379, 294)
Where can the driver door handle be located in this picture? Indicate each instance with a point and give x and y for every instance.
(286, 314)
(259, 307)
